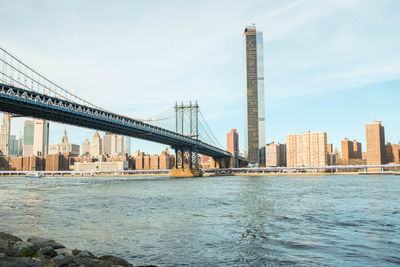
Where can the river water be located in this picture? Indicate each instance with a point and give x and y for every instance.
(213, 221)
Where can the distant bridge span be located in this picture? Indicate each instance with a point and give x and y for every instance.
(33, 104)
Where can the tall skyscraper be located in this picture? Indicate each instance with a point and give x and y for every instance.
(120, 145)
(254, 88)
(307, 149)
(117, 145)
(13, 146)
(20, 144)
(40, 138)
(375, 143)
(29, 131)
(5, 135)
(107, 143)
(85, 147)
(95, 148)
(127, 146)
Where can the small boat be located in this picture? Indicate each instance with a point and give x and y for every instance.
(33, 175)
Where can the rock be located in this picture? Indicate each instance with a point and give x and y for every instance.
(75, 252)
(61, 260)
(115, 261)
(7, 241)
(20, 261)
(9, 237)
(44, 242)
(25, 249)
(86, 254)
(64, 251)
(48, 252)
(14, 252)
(87, 262)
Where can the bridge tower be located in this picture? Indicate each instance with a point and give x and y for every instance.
(187, 123)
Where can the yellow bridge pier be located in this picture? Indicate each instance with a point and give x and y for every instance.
(186, 164)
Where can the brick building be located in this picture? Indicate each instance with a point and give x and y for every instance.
(154, 162)
(392, 153)
(375, 134)
(57, 162)
(306, 149)
(139, 161)
(275, 155)
(146, 162)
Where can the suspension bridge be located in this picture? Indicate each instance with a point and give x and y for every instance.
(25, 92)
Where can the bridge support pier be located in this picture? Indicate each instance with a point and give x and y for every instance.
(220, 163)
(190, 169)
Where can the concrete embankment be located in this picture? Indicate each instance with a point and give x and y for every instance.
(42, 252)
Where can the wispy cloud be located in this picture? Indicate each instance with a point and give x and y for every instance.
(138, 59)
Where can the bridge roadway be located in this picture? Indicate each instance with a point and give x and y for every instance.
(33, 104)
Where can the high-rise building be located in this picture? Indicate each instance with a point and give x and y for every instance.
(40, 138)
(347, 151)
(357, 152)
(396, 153)
(232, 139)
(117, 145)
(330, 148)
(95, 148)
(86, 147)
(13, 146)
(350, 150)
(5, 135)
(120, 145)
(127, 146)
(20, 144)
(107, 143)
(29, 132)
(254, 88)
(275, 155)
(306, 149)
(375, 134)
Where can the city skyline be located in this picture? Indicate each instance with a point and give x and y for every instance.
(346, 75)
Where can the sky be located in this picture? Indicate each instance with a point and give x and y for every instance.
(330, 66)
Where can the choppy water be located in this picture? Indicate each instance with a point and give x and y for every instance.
(213, 221)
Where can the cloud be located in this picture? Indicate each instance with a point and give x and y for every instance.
(138, 60)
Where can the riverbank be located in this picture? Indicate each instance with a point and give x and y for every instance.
(38, 252)
(119, 175)
(301, 173)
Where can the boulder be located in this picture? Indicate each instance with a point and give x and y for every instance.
(25, 249)
(44, 242)
(88, 262)
(64, 251)
(75, 252)
(7, 241)
(86, 254)
(48, 252)
(61, 260)
(20, 261)
(112, 260)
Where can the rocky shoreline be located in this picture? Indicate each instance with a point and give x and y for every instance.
(42, 252)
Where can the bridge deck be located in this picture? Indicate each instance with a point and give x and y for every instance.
(32, 104)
